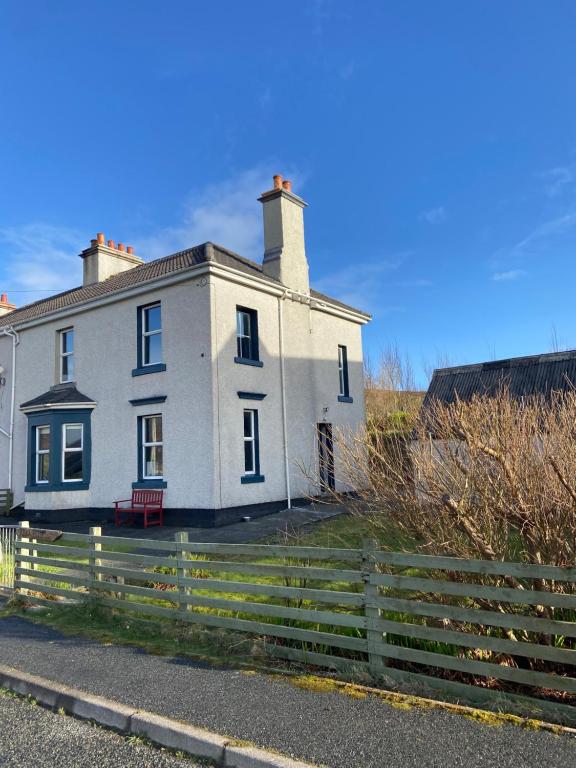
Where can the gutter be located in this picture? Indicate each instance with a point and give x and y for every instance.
(11, 333)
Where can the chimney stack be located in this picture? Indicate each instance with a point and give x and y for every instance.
(5, 305)
(102, 261)
(284, 251)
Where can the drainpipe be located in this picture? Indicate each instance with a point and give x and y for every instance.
(9, 331)
(283, 392)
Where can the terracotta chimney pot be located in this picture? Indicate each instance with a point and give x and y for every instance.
(287, 185)
(277, 181)
(4, 299)
(111, 244)
(130, 249)
(100, 238)
(121, 247)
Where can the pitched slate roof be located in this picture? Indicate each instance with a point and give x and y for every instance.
(149, 271)
(61, 394)
(522, 376)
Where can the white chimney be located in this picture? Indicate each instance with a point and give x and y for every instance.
(102, 260)
(284, 252)
(5, 305)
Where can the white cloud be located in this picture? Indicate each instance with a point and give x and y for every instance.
(511, 274)
(40, 259)
(225, 213)
(434, 215)
(557, 179)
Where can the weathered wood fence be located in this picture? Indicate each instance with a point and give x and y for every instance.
(405, 616)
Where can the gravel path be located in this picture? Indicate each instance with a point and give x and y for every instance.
(328, 728)
(32, 736)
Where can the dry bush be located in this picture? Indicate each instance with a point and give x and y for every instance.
(493, 478)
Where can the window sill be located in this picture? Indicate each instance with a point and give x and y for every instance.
(144, 369)
(57, 487)
(247, 361)
(150, 484)
(345, 399)
(252, 479)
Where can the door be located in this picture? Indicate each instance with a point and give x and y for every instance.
(326, 457)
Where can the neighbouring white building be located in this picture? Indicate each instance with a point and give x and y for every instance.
(202, 373)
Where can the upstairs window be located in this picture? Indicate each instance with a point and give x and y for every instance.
(149, 353)
(72, 453)
(66, 355)
(344, 393)
(42, 460)
(152, 334)
(247, 350)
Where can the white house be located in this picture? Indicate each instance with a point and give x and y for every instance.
(202, 373)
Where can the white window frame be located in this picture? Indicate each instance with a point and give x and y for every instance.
(72, 450)
(152, 444)
(42, 452)
(251, 439)
(64, 355)
(341, 376)
(240, 335)
(146, 334)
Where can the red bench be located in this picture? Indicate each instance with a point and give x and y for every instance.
(145, 502)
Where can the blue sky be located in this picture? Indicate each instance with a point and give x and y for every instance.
(435, 143)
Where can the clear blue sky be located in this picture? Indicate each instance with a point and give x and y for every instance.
(435, 143)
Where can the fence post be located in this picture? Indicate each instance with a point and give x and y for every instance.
(20, 556)
(93, 561)
(371, 611)
(181, 554)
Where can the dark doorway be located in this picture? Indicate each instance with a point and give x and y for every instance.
(326, 457)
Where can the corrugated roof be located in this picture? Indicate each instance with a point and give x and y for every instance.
(522, 376)
(144, 273)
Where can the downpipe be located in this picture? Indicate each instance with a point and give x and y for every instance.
(10, 332)
(283, 393)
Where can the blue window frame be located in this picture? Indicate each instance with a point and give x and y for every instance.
(59, 450)
(150, 452)
(149, 340)
(251, 448)
(247, 347)
(344, 394)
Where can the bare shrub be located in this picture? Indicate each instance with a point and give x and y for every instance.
(493, 478)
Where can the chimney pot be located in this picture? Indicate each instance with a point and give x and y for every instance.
(130, 249)
(4, 299)
(111, 244)
(93, 243)
(121, 246)
(287, 185)
(100, 238)
(277, 181)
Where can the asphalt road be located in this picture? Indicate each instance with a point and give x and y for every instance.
(33, 736)
(327, 728)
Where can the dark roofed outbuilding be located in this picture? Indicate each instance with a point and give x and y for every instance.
(521, 376)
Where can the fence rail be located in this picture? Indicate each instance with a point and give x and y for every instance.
(406, 616)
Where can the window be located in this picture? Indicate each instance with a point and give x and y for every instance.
(149, 340)
(344, 394)
(152, 335)
(72, 453)
(66, 355)
(59, 450)
(152, 448)
(42, 462)
(247, 351)
(251, 448)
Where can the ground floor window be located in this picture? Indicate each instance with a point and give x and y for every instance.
(150, 452)
(42, 462)
(59, 450)
(251, 447)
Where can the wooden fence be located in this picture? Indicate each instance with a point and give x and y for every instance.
(6, 501)
(495, 630)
